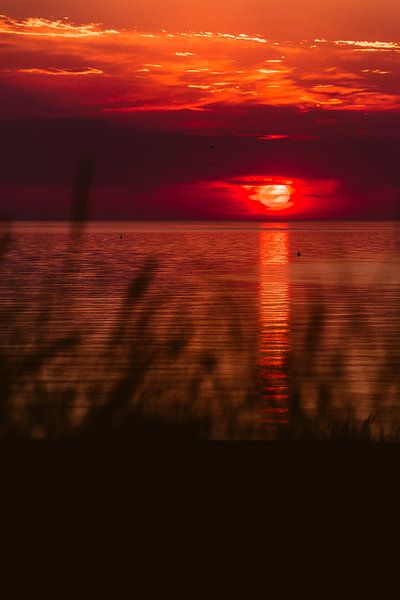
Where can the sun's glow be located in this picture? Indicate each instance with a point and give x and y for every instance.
(274, 196)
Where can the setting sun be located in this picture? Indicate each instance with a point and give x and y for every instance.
(274, 196)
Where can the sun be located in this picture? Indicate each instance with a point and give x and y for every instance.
(274, 196)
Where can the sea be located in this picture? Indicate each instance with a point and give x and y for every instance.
(223, 330)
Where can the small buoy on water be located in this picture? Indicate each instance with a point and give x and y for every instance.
(120, 237)
(298, 253)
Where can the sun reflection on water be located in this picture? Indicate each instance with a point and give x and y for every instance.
(274, 303)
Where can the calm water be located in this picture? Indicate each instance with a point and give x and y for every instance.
(228, 325)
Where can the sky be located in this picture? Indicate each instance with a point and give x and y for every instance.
(260, 110)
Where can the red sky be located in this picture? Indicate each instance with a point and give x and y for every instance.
(182, 104)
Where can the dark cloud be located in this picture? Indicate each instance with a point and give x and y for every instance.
(140, 173)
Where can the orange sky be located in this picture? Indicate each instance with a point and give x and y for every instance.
(123, 70)
(300, 71)
(285, 19)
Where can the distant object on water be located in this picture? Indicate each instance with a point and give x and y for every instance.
(120, 237)
(298, 253)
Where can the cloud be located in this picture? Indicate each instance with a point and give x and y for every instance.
(192, 71)
(58, 72)
(364, 45)
(33, 27)
(167, 175)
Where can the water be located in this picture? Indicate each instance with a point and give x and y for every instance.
(228, 327)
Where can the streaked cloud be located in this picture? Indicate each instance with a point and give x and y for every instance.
(192, 71)
(375, 46)
(60, 72)
(51, 28)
